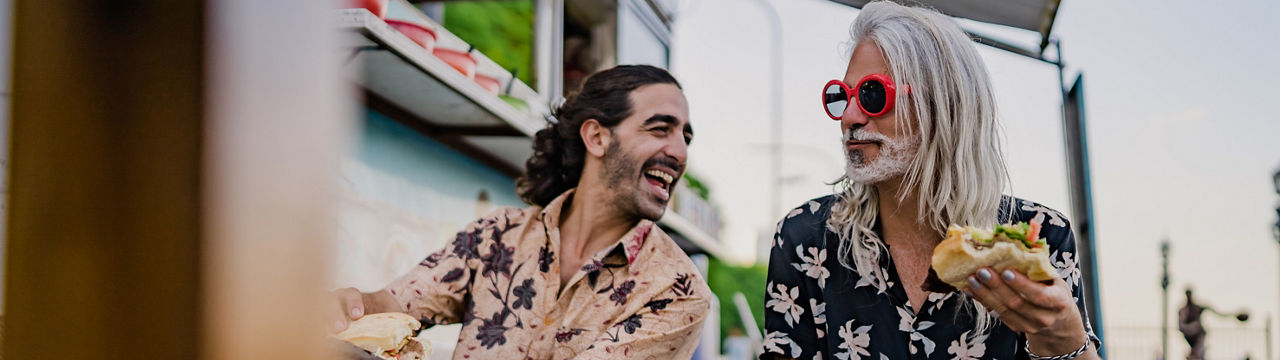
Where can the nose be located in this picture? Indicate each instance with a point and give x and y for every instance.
(853, 116)
(677, 150)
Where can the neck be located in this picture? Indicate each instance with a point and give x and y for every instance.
(899, 211)
(588, 222)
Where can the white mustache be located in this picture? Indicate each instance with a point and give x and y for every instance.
(863, 135)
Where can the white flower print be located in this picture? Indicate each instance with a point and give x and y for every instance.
(784, 302)
(968, 349)
(1068, 267)
(854, 341)
(812, 266)
(905, 325)
(938, 300)
(813, 206)
(879, 276)
(819, 316)
(774, 341)
(1055, 217)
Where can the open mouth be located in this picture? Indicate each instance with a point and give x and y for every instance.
(660, 181)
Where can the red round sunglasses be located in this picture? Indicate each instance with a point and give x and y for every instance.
(875, 96)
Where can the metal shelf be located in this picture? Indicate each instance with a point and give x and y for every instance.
(402, 74)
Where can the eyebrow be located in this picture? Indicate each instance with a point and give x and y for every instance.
(670, 120)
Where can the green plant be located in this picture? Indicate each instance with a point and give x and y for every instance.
(725, 280)
(502, 30)
(698, 186)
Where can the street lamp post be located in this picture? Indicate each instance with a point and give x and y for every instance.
(1164, 299)
(1275, 228)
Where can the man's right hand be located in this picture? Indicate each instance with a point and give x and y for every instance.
(349, 307)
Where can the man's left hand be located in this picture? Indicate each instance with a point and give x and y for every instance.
(1046, 314)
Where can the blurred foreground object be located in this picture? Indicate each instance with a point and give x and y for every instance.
(165, 197)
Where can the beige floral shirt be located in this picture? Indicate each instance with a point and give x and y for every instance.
(641, 298)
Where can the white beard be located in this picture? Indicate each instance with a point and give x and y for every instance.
(893, 160)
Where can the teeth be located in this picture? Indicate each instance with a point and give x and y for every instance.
(666, 178)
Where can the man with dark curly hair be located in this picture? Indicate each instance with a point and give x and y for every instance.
(584, 273)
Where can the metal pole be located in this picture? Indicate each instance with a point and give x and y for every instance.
(1269, 336)
(1164, 299)
(748, 322)
(1275, 232)
(775, 136)
(549, 49)
(1075, 140)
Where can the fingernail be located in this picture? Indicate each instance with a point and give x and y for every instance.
(357, 312)
(984, 275)
(973, 284)
(337, 325)
(1007, 275)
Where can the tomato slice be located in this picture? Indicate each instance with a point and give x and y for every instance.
(1034, 233)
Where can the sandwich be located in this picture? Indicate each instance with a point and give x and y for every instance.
(388, 336)
(1009, 246)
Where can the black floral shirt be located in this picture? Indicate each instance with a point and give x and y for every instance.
(641, 298)
(819, 309)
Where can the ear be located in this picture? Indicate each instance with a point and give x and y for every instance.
(595, 136)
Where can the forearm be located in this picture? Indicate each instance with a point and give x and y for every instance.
(380, 301)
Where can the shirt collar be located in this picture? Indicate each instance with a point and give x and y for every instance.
(632, 242)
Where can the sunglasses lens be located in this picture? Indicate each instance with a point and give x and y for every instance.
(871, 96)
(835, 99)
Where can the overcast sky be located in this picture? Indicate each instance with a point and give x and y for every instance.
(1182, 134)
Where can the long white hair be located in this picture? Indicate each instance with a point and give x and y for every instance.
(958, 173)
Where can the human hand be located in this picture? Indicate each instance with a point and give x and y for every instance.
(1045, 313)
(347, 305)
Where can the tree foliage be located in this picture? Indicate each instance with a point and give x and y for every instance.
(502, 30)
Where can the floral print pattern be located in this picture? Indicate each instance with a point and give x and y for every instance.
(784, 302)
(854, 342)
(499, 277)
(870, 313)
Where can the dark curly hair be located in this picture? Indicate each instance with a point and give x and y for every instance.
(558, 150)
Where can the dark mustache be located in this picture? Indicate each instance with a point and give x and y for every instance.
(666, 161)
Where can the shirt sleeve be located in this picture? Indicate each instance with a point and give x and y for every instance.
(789, 324)
(434, 291)
(1065, 260)
(664, 328)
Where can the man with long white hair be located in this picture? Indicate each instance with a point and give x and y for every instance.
(849, 275)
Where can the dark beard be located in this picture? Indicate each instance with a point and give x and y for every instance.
(618, 170)
(855, 157)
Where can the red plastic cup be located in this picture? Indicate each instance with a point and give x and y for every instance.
(377, 7)
(418, 33)
(489, 83)
(459, 60)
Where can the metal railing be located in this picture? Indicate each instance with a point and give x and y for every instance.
(1223, 342)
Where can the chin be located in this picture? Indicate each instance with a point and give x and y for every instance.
(651, 209)
(652, 214)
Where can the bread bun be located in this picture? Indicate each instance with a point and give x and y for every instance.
(381, 333)
(959, 256)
